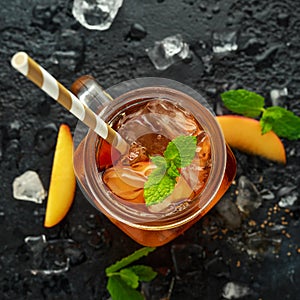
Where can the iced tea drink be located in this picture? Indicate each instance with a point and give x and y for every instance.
(149, 118)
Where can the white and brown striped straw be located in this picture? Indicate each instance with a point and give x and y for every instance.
(45, 81)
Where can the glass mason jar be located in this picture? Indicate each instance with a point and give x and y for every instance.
(144, 226)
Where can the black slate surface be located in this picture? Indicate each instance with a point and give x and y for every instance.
(211, 253)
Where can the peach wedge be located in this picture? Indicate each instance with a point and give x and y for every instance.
(245, 135)
(62, 182)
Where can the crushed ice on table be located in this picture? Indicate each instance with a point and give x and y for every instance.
(234, 290)
(52, 257)
(168, 51)
(229, 212)
(258, 244)
(96, 14)
(267, 194)
(224, 42)
(276, 95)
(288, 200)
(288, 195)
(248, 198)
(29, 187)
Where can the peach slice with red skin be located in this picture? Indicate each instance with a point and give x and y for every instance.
(245, 135)
(62, 182)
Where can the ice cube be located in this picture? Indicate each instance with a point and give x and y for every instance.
(229, 212)
(248, 198)
(96, 14)
(288, 200)
(29, 187)
(260, 244)
(54, 256)
(168, 51)
(161, 116)
(276, 96)
(233, 290)
(224, 42)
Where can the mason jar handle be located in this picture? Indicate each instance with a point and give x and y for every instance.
(90, 92)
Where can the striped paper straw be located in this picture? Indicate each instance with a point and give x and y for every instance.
(45, 81)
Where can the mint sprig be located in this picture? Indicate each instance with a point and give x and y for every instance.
(282, 121)
(161, 182)
(123, 280)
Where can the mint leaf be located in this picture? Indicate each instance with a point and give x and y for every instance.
(243, 102)
(119, 290)
(282, 121)
(128, 260)
(161, 181)
(159, 161)
(156, 190)
(181, 150)
(144, 273)
(122, 285)
(159, 172)
(173, 170)
(130, 277)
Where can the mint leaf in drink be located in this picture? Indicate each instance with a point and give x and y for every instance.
(161, 181)
(282, 121)
(124, 262)
(181, 150)
(156, 189)
(119, 290)
(173, 170)
(145, 273)
(243, 102)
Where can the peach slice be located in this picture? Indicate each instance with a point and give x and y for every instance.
(245, 134)
(62, 182)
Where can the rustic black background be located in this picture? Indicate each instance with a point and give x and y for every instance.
(267, 58)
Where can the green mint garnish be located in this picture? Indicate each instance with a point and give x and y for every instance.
(123, 280)
(282, 121)
(161, 182)
(244, 102)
